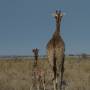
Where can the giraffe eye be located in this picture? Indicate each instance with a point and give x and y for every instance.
(56, 15)
(61, 14)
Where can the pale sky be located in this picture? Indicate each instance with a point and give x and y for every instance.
(27, 24)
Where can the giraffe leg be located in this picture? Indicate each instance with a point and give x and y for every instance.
(43, 86)
(55, 84)
(60, 70)
(38, 86)
(44, 83)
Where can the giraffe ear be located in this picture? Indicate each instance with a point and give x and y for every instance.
(62, 14)
(54, 14)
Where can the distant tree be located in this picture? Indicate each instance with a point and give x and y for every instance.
(84, 55)
(71, 54)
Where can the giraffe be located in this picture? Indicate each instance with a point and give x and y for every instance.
(38, 73)
(55, 52)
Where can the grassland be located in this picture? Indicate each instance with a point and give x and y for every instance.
(17, 74)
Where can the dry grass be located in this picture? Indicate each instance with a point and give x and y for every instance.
(77, 74)
(16, 74)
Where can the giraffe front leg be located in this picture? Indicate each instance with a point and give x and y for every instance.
(43, 86)
(38, 86)
(55, 84)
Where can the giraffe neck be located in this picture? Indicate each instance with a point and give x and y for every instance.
(58, 27)
(57, 31)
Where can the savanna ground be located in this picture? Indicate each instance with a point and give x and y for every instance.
(17, 74)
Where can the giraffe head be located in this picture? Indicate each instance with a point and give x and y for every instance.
(58, 16)
(35, 51)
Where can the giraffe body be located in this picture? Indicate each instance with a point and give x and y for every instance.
(38, 79)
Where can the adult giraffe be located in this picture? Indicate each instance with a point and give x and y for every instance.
(55, 52)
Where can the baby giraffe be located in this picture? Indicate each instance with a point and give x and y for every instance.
(38, 73)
